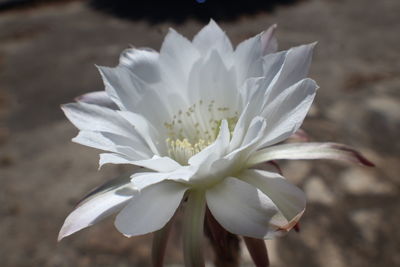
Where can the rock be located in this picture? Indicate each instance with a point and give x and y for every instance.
(387, 106)
(296, 171)
(360, 181)
(317, 191)
(368, 222)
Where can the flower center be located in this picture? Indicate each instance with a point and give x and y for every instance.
(193, 129)
(182, 150)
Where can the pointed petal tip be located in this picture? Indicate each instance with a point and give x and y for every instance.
(80, 98)
(297, 227)
(171, 30)
(212, 21)
(65, 108)
(271, 29)
(64, 232)
(291, 224)
(101, 69)
(309, 46)
(368, 163)
(60, 237)
(362, 160)
(126, 235)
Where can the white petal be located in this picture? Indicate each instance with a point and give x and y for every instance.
(147, 131)
(212, 37)
(272, 64)
(145, 179)
(99, 98)
(256, 131)
(248, 59)
(123, 86)
(286, 112)
(252, 90)
(177, 56)
(134, 148)
(151, 209)
(132, 94)
(95, 118)
(252, 94)
(240, 128)
(294, 68)
(269, 44)
(155, 106)
(289, 199)
(114, 158)
(243, 209)
(250, 142)
(143, 63)
(236, 159)
(210, 80)
(160, 164)
(100, 203)
(309, 151)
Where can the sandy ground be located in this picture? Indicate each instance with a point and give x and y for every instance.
(47, 57)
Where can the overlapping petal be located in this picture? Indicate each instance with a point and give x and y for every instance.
(91, 117)
(99, 98)
(212, 37)
(150, 209)
(294, 68)
(269, 44)
(100, 203)
(146, 129)
(142, 62)
(289, 199)
(211, 81)
(115, 143)
(248, 56)
(177, 56)
(248, 59)
(242, 208)
(285, 113)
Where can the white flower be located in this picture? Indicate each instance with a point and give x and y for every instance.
(199, 117)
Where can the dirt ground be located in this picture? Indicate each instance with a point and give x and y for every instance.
(47, 57)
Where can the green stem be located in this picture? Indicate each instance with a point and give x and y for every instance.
(193, 229)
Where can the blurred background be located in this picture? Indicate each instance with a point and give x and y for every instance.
(47, 54)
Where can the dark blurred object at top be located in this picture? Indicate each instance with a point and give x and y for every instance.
(172, 10)
(179, 10)
(15, 4)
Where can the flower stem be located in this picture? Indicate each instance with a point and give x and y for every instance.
(258, 251)
(160, 239)
(193, 229)
(225, 245)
